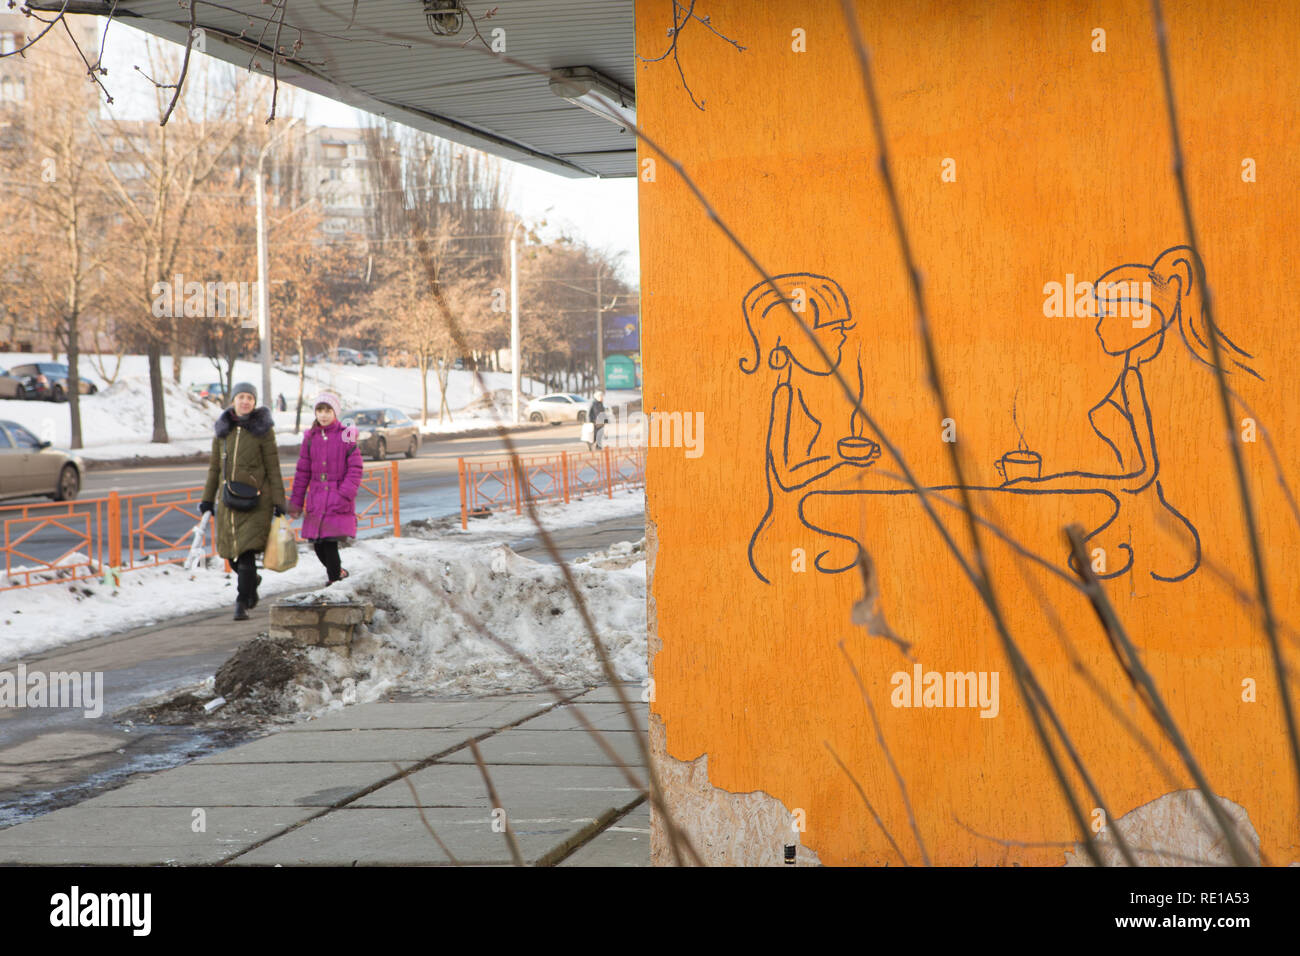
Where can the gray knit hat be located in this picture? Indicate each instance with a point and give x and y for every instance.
(244, 387)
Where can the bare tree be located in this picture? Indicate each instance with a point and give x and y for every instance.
(156, 175)
(56, 219)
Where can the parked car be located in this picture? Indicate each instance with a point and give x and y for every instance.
(213, 392)
(381, 430)
(370, 356)
(347, 357)
(29, 466)
(22, 389)
(48, 381)
(558, 407)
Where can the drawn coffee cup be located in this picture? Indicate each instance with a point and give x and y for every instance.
(855, 448)
(1019, 464)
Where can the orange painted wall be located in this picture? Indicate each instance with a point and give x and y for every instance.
(1062, 166)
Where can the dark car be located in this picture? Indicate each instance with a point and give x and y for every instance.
(29, 466)
(384, 430)
(22, 388)
(48, 381)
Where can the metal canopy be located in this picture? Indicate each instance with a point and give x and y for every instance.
(388, 62)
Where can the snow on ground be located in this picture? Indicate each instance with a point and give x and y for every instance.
(117, 422)
(431, 603)
(37, 619)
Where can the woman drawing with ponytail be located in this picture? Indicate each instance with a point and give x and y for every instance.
(1153, 317)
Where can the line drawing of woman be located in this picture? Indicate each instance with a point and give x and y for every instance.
(801, 450)
(1135, 325)
(1166, 299)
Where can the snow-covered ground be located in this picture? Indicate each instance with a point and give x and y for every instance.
(39, 618)
(431, 602)
(117, 422)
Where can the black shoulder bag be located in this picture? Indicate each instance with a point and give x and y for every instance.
(237, 495)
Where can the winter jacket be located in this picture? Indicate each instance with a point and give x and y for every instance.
(246, 453)
(328, 477)
(596, 413)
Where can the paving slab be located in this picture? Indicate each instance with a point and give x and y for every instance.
(571, 748)
(344, 746)
(601, 716)
(248, 785)
(617, 846)
(606, 694)
(397, 837)
(412, 714)
(130, 836)
(532, 792)
(625, 842)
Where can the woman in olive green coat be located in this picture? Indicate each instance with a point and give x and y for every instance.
(244, 451)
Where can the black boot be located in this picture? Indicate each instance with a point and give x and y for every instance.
(241, 614)
(252, 600)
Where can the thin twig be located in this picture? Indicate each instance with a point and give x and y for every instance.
(1031, 693)
(870, 809)
(496, 805)
(406, 775)
(1238, 463)
(889, 757)
(185, 66)
(1150, 696)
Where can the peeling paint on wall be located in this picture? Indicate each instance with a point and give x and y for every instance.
(1174, 830)
(726, 829)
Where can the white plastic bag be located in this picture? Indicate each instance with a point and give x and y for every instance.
(588, 432)
(198, 550)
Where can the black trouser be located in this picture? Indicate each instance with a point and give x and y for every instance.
(328, 552)
(246, 568)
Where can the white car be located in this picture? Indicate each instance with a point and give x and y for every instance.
(558, 407)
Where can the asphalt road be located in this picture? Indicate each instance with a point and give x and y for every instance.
(429, 487)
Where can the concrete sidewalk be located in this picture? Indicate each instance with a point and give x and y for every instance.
(332, 792)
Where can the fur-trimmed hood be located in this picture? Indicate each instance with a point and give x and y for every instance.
(259, 422)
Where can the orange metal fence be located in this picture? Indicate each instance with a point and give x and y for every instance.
(495, 485)
(96, 536)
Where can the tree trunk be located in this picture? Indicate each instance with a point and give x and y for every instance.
(177, 355)
(424, 386)
(156, 390)
(74, 382)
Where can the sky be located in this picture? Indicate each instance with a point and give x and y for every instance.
(601, 212)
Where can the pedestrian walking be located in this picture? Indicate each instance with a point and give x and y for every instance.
(597, 416)
(245, 485)
(281, 404)
(326, 483)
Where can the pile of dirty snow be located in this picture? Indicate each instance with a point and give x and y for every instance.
(424, 638)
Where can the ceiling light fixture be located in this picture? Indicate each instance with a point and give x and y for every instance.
(444, 17)
(583, 86)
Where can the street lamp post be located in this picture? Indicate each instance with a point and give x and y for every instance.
(263, 293)
(514, 325)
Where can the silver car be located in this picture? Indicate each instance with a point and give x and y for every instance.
(559, 407)
(30, 467)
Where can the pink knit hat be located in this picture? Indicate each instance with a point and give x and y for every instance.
(330, 399)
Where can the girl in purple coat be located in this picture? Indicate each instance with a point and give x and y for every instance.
(328, 478)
